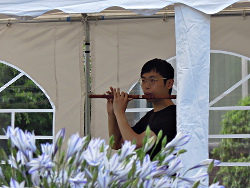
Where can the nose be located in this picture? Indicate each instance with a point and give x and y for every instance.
(146, 86)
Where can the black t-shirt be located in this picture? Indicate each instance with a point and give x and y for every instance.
(164, 120)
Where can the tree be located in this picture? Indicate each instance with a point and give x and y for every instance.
(235, 149)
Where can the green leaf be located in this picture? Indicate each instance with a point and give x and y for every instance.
(45, 183)
(135, 183)
(102, 148)
(131, 173)
(196, 184)
(181, 152)
(210, 167)
(164, 142)
(215, 180)
(148, 131)
(3, 154)
(111, 141)
(62, 158)
(159, 136)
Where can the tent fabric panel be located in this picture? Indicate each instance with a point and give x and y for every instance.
(119, 50)
(51, 54)
(231, 34)
(145, 7)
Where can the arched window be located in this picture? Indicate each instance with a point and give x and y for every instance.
(24, 104)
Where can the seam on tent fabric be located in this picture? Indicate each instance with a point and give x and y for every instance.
(82, 80)
(55, 70)
(118, 56)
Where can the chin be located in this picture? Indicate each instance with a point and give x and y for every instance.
(150, 100)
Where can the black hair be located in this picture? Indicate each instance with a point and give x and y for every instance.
(160, 66)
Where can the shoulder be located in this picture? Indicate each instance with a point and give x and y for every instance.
(166, 118)
(147, 115)
(143, 122)
(170, 110)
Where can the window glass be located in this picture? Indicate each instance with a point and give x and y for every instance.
(230, 149)
(4, 122)
(231, 176)
(40, 123)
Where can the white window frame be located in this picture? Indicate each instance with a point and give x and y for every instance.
(14, 111)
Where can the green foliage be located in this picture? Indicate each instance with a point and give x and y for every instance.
(235, 149)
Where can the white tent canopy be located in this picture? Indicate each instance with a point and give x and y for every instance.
(39, 7)
(119, 44)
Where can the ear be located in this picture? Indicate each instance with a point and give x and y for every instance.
(170, 83)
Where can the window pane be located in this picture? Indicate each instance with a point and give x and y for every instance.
(23, 94)
(40, 123)
(4, 145)
(232, 176)
(5, 119)
(134, 117)
(230, 149)
(225, 71)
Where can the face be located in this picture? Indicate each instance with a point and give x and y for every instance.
(157, 87)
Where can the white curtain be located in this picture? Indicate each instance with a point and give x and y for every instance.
(193, 65)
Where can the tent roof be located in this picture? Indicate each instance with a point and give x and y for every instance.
(240, 7)
(25, 9)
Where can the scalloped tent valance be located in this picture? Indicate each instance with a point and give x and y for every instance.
(36, 8)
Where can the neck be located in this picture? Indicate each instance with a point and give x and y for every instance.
(161, 104)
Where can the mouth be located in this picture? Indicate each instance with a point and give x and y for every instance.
(149, 100)
(148, 93)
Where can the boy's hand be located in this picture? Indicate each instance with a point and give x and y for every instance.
(120, 101)
(110, 109)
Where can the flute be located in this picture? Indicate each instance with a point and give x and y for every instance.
(136, 96)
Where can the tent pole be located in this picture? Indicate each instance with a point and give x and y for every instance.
(87, 76)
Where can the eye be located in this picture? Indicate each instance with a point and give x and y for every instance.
(142, 80)
(153, 80)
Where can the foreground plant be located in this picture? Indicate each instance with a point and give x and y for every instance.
(89, 163)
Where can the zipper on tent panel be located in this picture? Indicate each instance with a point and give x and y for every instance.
(87, 78)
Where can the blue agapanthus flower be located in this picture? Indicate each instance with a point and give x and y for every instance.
(15, 184)
(42, 163)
